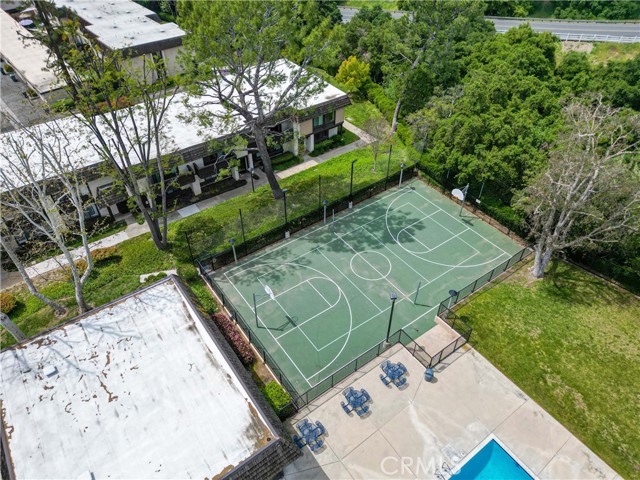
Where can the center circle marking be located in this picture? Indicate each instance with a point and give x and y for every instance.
(380, 274)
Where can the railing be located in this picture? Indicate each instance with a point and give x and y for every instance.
(587, 37)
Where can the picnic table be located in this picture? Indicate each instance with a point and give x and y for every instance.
(311, 433)
(356, 400)
(393, 373)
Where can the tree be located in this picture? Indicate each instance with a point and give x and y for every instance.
(435, 26)
(241, 75)
(123, 107)
(42, 185)
(353, 73)
(587, 195)
(378, 130)
(11, 327)
(6, 242)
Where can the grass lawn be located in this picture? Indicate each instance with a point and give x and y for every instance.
(340, 140)
(119, 273)
(604, 52)
(359, 112)
(572, 343)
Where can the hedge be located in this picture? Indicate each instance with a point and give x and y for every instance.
(376, 95)
(7, 302)
(235, 339)
(276, 395)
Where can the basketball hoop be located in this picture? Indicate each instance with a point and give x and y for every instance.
(269, 292)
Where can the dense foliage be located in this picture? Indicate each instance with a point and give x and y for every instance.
(8, 302)
(568, 9)
(239, 344)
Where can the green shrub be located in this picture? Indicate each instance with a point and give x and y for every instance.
(63, 105)
(188, 272)
(376, 95)
(201, 291)
(8, 302)
(344, 138)
(103, 253)
(276, 395)
(284, 161)
(154, 278)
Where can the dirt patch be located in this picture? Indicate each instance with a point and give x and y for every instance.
(585, 47)
(260, 370)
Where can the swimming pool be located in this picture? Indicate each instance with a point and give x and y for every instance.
(491, 462)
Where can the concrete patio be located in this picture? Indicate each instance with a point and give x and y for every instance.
(411, 432)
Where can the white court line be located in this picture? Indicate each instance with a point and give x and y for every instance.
(299, 325)
(312, 286)
(462, 223)
(396, 255)
(274, 338)
(410, 323)
(432, 261)
(377, 271)
(314, 230)
(291, 288)
(363, 294)
(289, 317)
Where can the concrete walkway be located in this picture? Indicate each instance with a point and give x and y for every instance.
(425, 429)
(9, 279)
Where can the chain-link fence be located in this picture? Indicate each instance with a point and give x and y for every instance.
(302, 205)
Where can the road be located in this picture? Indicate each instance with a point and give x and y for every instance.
(565, 29)
(348, 13)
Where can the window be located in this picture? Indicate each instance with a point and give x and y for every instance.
(317, 121)
(91, 212)
(330, 117)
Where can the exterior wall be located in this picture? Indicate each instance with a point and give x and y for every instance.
(99, 182)
(136, 66)
(172, 63)
(340, 115)
(309, 144)
(306, 127)
(333, 132)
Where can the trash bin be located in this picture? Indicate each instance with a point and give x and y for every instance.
(428, 374)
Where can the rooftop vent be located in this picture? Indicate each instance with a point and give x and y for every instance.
(50, 370)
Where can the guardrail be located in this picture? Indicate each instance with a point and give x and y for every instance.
(559, 20)
(582, 37)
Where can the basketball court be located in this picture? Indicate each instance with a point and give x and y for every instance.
(323, 297)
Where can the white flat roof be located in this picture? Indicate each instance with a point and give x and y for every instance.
(135, 390)
(180, 134)
(121, 24)
(28, 58)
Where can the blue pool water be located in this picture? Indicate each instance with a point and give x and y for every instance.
(492, 463)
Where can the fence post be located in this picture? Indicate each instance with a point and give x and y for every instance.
(186, 236)
(522, 254)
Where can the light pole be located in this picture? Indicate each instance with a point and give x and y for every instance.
(325, 203)
(233, 247)
(351, 185)
(253, 187)
(284, 196)
(393, 297)
(402, 165)
(386, 179)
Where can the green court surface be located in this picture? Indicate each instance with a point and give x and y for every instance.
(331, 283)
